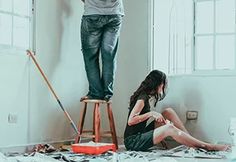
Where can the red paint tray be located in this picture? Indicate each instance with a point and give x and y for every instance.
(93, 148)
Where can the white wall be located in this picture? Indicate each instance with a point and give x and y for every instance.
(14, 98)
(211, 96)
(214, 99)
(60, 55)
(59, 52)
(25, 93)
(173, 35)
(132, 58)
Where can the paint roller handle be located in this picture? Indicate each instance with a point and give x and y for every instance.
(50, 87)
(68, 116)
(42, 73)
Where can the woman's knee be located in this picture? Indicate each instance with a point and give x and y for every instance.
(168, 111)
(164, 131)
(170, 129)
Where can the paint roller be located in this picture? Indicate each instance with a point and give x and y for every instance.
(30, 53)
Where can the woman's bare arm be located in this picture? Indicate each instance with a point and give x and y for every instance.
(134, 117)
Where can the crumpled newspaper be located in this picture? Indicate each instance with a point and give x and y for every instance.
(38, 157)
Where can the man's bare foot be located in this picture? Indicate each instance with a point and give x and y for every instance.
(84, 98)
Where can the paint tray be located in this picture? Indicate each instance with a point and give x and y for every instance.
(93, 148)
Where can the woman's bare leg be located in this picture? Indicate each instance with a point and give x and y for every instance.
(183, 138)
(171, 115)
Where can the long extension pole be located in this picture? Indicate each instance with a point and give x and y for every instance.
(53, 92)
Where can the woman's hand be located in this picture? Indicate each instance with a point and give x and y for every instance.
(158, 117)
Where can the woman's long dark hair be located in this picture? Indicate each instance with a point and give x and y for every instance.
(149, 86)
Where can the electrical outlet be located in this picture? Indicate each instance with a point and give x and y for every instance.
(12, 118)
(191, 115)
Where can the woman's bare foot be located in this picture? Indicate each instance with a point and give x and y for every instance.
(218, 147)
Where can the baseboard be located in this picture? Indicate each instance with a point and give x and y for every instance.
(29, 147)
(20, 149)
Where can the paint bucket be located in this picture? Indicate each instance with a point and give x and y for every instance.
(93, 148)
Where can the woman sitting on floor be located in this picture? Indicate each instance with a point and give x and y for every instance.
(139, 137)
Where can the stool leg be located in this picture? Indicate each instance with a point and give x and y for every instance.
(94, 112)
(97, 122)
(112, 125)
(81, 122)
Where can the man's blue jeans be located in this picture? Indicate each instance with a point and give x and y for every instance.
(100, 35)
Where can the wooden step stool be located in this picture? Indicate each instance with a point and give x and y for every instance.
(96, 132)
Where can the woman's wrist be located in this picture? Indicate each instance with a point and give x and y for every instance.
(151, 115)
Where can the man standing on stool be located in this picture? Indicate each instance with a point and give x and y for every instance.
(100, 30)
